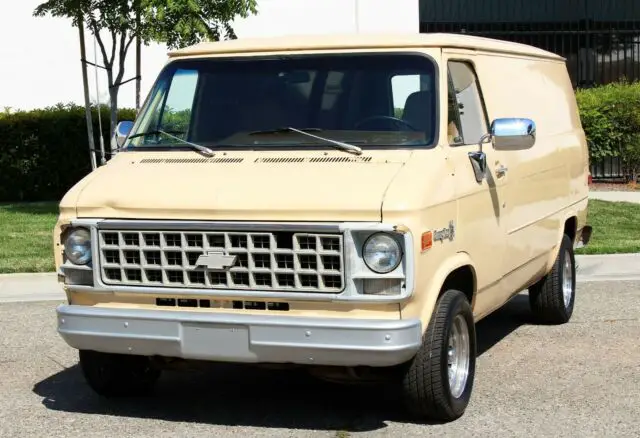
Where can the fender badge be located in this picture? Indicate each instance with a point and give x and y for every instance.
(445, 233)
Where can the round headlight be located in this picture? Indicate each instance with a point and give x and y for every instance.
(382, 253)
(77, 246)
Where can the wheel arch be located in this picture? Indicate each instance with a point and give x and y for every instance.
(457, 272)
(569, 226)
(463, 279)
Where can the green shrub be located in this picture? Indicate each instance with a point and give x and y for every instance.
(45, 152)
(610, 116)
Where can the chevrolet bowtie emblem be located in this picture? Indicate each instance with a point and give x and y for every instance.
(216, 261)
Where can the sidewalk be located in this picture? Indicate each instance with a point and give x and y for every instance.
(616, 196)
(30, 287)
(44, 287)
(613, 267)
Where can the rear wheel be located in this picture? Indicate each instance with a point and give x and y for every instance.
(552, 298)
(438, 383)
(118, 375)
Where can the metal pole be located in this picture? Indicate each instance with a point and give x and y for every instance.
(87, 104)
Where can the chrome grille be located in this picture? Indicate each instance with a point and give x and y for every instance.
(265, 261)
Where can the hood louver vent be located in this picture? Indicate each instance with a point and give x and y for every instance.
(261, 160)
(279, 160)
(340, 160)
(294, 160)
(191, 160)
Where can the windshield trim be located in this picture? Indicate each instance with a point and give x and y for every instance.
(231, 57)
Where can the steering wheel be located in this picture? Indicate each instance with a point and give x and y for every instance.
(398, 122)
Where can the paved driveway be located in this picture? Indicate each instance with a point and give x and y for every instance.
(581, 379)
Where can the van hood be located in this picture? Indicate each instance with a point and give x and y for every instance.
(251, 186)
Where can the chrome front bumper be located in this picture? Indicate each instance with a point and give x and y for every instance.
(227, 337)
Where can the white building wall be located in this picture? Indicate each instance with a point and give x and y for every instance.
(40, 57)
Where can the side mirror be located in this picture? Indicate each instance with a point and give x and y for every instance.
(122, 131)
(513, 133)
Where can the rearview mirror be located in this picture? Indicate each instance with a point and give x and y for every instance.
(122, 131)
(513, 133)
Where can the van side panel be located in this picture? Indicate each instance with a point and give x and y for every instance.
(545, 181)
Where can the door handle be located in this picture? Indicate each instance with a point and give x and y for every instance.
(501, 170)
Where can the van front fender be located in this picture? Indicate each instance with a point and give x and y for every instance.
(429, 284)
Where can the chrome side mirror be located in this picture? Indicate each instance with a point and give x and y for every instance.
(122, 131)
(510, 134)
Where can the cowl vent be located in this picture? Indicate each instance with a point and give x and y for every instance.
(191, 160)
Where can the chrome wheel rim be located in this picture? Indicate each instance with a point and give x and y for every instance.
(567, 280)
(458, 356)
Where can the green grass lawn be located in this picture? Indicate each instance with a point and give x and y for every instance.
(616, 228)
(26, 238)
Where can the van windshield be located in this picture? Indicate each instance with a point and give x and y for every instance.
(364, 99)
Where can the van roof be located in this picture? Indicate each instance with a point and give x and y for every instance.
(361, 41)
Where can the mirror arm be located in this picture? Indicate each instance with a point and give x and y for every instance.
(483, 139)
(479, 159)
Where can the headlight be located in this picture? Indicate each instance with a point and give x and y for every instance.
(382, 253)
(77, 246)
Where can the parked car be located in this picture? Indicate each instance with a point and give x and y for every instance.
(351, 204)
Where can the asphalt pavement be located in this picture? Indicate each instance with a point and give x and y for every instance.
(581, 379)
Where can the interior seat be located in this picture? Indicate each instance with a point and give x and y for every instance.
(419, 111)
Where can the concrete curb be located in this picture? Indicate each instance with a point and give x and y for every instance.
(611, 267)
(44, 287)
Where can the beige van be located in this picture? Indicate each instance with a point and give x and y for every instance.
(352, 204)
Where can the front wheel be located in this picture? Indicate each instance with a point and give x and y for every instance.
(118, 375)
(438, 383)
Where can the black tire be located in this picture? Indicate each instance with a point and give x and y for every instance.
(426, 388)
(546, 297)
(118, 375)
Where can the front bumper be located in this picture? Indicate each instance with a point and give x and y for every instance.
(244, 338)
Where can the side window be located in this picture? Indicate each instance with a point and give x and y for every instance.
(454, 127)
(402, 87)
(176, 113)
(467, 117)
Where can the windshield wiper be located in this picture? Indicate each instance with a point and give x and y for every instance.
(281, 130)
(205, 150)
(338, 144)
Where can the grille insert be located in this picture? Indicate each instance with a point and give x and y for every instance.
(278, 261)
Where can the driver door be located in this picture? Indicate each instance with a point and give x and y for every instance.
(481, 203)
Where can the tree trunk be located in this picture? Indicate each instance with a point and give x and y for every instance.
(113, 102)
(138, 59)
(87, 103)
